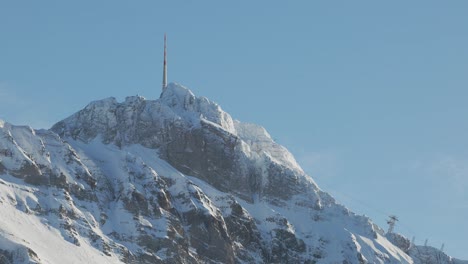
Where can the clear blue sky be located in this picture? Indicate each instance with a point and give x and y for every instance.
(370, 96)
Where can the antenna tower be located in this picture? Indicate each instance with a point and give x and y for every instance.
(164, 81)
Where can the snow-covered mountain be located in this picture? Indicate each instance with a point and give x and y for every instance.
(173, 180)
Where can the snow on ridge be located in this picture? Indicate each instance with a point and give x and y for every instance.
(134, 99)
(16, 140)
(260, 140)
(103, 102)
(182, 99)
(2, 123)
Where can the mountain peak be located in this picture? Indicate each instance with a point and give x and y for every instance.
(184, 103)
(177, 90)
(177, 104)
(193, 134)
(171, 180)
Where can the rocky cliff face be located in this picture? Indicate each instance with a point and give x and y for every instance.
(173, 180)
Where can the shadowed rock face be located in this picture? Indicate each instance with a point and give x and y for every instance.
(209, 236)
(26, 170)
(31, 174)
(400, 241)
(211, 155)
(2, 168)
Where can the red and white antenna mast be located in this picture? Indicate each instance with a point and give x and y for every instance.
(164, 82)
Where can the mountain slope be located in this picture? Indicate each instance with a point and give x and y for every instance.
(173, 180)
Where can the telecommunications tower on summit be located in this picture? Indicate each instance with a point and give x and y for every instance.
(164, 81)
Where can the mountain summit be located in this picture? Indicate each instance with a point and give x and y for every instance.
(197, 138)
(173, 180)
